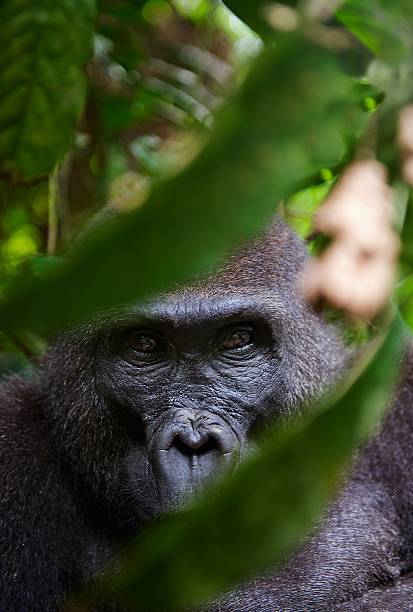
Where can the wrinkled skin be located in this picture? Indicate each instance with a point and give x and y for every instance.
(131, 415)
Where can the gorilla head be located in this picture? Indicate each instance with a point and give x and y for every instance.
(134, 412)
(149, 403)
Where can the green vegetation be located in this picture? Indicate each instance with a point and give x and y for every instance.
(195, 127)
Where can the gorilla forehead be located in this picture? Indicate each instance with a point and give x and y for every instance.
(191, 308)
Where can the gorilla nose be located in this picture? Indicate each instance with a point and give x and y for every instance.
(195, 443)
(189, 450)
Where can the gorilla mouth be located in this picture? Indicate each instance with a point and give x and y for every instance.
(197, 452)
(190, 451)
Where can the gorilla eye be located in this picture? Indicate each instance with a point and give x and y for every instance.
(144, 343)
(236, 339)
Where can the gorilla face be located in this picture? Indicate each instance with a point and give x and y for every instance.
(195, 376)
(149, 405)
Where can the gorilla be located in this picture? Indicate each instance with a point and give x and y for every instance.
(128, 415)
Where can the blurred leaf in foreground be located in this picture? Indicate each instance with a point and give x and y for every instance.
(284, 125)
(267, 506)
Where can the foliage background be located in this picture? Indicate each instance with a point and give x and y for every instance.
(195, 128)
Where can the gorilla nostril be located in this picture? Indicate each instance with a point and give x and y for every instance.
(195, 445)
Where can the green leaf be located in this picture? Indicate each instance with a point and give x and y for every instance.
(266, 144)
(252, 13)
(45, 45)
(386, 28)
(407, 242)
(404, 293)
(300, 209)
(267, 506)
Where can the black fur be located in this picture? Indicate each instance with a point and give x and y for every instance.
(98, 443)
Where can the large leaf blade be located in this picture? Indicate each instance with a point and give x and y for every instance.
(266, 143)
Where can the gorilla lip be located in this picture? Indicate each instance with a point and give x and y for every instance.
(190, 449)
